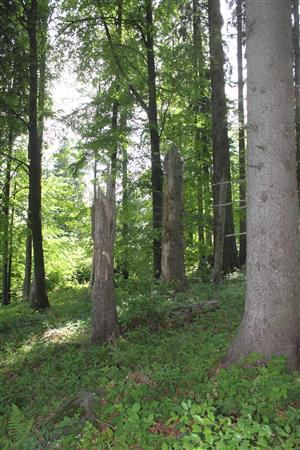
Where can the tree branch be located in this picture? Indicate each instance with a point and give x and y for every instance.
(132, 88)
(21, 163)
(9, 109)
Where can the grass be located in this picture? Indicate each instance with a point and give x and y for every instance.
(161, 386)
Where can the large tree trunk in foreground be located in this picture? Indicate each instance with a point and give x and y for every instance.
(242, 146)
(35, 157)
(104, 312)
(296, 47)
(270, 324)
(172, 231)
(221, 158)
(156, 172)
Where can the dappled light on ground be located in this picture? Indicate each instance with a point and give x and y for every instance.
(158, 387)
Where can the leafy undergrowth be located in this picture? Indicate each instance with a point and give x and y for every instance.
(161, 386)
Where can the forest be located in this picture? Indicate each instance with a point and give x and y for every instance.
(149, 224)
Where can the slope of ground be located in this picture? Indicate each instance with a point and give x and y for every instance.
(161, 386)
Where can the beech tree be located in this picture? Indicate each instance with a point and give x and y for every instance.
(13, 117)
(221, 156)
(6, 294)
(35, 160)
(147, 32)
(270, 323)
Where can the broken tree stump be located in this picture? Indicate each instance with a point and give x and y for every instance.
(104, 312)
(173, 271)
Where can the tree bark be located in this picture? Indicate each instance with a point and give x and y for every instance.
(125, 200)
(220, 232)
(6, 209)
(43, 42)
(172, 230)
(11, 235)
(104, 312)
(198, 103)
(35, 157)
(115, 141)
(270, 324)
(156, 172)
(92, 273)
(296, 48)
(28, 266)
(221, 156)
(242, 146)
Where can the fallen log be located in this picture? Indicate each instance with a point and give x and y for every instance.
(187, 312)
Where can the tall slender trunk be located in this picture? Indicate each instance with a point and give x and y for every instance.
(115, 140)
(198, 82)
(95, 183)
(11, 235)
(207, 203)
(219, 234)
(116, 107)
(95, 174)
(28, 265)
(156, 171)
(35, 160)
(242, 146)
(125, 199)
(221, 156)
(29, 290)
(296, 48)
(6, 210)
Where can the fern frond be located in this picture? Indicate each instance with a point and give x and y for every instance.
(18, 426)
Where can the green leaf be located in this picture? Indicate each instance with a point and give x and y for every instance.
(135, 407)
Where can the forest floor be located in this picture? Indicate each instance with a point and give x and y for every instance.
(161, 386)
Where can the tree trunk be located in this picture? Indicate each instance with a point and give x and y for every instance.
(104, 312)
(113, 162)
(115, 141)
(151, 110)
(6, 209)
(198, 102)
(27, 294)
(270, 324)
(156, 172)
(207, 195)
(28, 266)
(220, 232)
(92, 273)
(125, 199)
(242, 147)
(296, 48)
(172, 230)
(11, 235)
(221, 157)
(34, 153)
